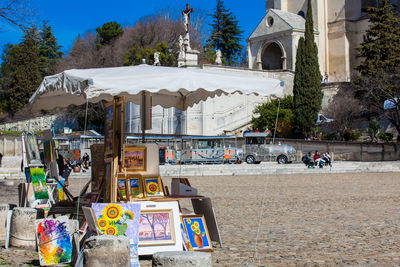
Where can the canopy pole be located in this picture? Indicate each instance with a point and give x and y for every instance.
(143, 117)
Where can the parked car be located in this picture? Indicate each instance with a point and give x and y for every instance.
(258, 147)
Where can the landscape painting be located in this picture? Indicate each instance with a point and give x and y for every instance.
(156, 228)
(135, 158)
(54, 241)
(39, 183)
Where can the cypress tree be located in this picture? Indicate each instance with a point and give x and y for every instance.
(49, 51)
(225, 34)
(307, 94)
(381, 47)
(25, 77)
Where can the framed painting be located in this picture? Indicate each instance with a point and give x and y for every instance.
(120, 219)
(153, 186)
(122, 188)
(134, 159)
(54, 241)
(39, 184)
(197, 232)
(156, 228)
(135, 187)
(109, 128)
(32, 149)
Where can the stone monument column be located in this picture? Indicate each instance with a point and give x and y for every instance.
(187, 56)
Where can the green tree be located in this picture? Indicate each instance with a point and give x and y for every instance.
(307, 94)
(24, 75)
(135, 55)
(379, 80)
(267, 116)
(381, 47)
(49, 51)
(108, 32)
(225, 34)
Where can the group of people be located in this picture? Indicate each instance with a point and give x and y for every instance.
(317, 159)
(65, 167)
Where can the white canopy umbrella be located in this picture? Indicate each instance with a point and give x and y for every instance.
(168, 86)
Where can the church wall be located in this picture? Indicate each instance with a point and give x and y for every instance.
(355, 33)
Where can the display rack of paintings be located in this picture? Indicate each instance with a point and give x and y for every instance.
(134, 159)
(153, 186)
(197, 232)
(109, 128)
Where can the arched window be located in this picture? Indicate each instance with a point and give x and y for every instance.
(301, 13)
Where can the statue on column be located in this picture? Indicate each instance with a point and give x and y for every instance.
(218, 59)
(186, 22)
(181, 48)
(157, 59)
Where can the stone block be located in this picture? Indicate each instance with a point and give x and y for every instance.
(3, 220)
(181, 259)
(107, 250)
(22, 233)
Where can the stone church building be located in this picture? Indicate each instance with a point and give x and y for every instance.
(339, 29)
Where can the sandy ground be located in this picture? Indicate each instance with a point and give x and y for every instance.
(292, 220)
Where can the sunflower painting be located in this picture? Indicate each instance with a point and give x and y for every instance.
(119, 219)
(153, 187)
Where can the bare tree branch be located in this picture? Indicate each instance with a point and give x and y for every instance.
(16, 12)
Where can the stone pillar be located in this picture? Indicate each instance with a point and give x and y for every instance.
(107, 250)
(22, 233)
(181, 259)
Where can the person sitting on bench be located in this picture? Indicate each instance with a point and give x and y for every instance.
(327, 158)
(318, 161)
(307, 160)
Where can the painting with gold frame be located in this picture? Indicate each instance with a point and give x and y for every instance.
(130, 187)
(153, 186)
(122, 189)
(109, 128)
(134, 159)
(135, 187)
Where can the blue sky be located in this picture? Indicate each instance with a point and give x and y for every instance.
(70, 18)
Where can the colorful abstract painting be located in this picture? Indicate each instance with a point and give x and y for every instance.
(197, 232)
(120, 219)
(39, 183)
(54, 241)
(156, 228)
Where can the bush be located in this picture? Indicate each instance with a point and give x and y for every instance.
(331, 136)
(351, 135)
(387, 137)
